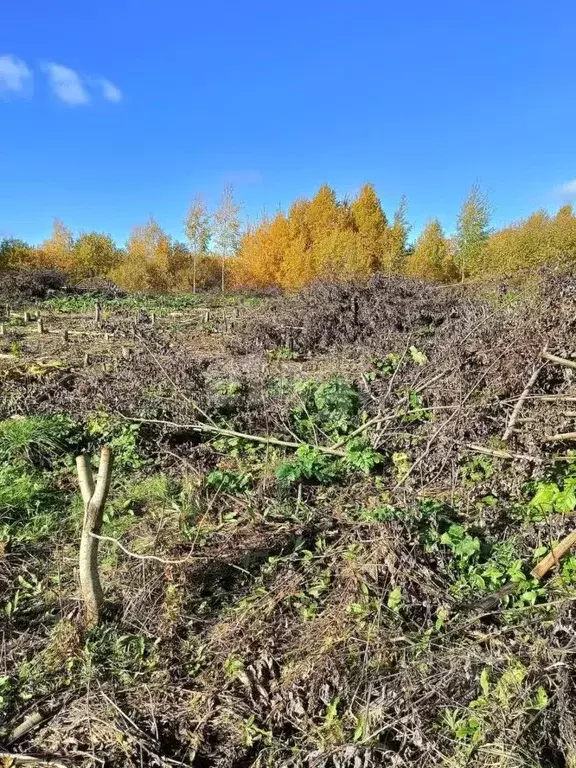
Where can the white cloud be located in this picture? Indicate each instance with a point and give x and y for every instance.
(14, 74)
(110, 91)
(568, 189)
(67, 84)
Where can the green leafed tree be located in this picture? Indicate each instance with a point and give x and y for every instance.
(226, 226)
(397, 248)
(197, 228)
(472, 233)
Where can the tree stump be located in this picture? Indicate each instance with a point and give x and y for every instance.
(94, 498)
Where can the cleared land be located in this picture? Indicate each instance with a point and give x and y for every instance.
(318, 547)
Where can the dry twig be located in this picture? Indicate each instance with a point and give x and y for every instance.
(521, 400)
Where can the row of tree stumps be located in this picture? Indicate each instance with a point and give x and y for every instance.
(41, 327)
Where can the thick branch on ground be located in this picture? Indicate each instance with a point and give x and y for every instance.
(559, 438)
(559, 360)
(521, 400)
(501, 454)
(554, 557)
(94, 498)
(14, 759)
(32, 721)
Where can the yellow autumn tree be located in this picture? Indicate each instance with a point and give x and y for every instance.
(371, 225)
(525, 245)
(296, 269)
(94, 253)
(146, 265)
(58, 250)
(563, 233)
(262, 252)
(431, 258)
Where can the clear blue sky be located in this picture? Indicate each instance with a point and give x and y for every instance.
(420, 97)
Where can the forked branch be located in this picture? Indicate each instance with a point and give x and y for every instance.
(94, 497)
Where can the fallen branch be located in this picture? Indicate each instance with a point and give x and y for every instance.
(13, 759)
(500, 454)
(521, 400)
(554, 557)
(156, 558)
(32, 721)
(212, 429)
(559, 360)
(560, 437)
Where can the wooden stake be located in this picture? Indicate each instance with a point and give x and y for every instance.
(2, 330)
(153, 318)
(126, 353)
(86, 360)
(94, 498)
(554, 557)
(40, 325)
(206, 318)
(26, 317)
(97, 313)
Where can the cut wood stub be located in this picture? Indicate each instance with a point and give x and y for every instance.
(94, 497)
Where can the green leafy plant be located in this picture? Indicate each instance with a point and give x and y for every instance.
(120, 435)
(6, 693)
(477, 470)
(328, 408)
(462, 544)
(361, 456)
(416, 410)
(394, 601)
(418, 357)
(383, 366)
(229, 481)
(554, 497)
(252, 733)
(282, 353)
(309, 464)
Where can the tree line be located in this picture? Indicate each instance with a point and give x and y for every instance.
(322, 237)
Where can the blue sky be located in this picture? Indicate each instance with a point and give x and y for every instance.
(116, 110)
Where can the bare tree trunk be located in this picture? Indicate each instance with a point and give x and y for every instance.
(223, 270)
(94, 498)
(194, 260)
